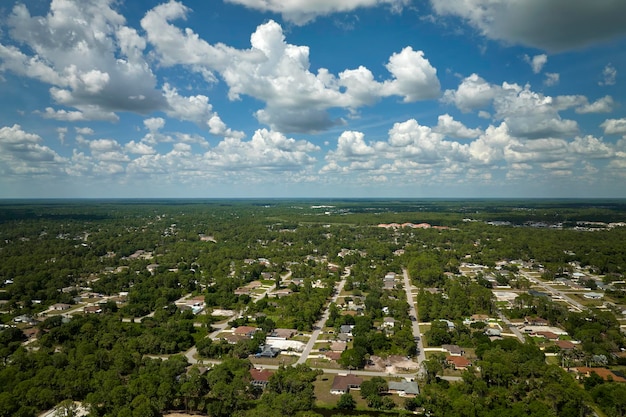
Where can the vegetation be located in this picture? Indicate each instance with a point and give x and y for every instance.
(133, 260)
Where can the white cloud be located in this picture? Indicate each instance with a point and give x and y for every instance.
(139, 148)
(21, 153)
(196, 109)
(552, 78)
(94, 63)
(301, 12)
(154, 124)
(526, 113)
(537, 62)
(602, 105)
(490, 146)
(609, 73)
(415, 79)
(473, 93)
(530, 114)
(614, 126)
(62, 131)
(88, 113)
(590, 147)
(447, 126)
(84, 130)
(278, 74)
(552, 25)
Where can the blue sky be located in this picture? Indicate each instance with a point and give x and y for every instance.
(303, 98)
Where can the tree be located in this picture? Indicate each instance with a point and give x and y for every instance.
(346, 402)
(353, 358)
(375, 386)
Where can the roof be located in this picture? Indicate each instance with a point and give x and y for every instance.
(603, 373)
(286, 333)
(452, 349)
(344, 382)
(244, 330)
(262, 375)
(338, 346)
(565, 344)
(408, 387)
(548, 335)
(458, 361)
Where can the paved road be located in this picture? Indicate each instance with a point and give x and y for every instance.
(421, 357)
(319, 326)
(513, 328)
(554, 291)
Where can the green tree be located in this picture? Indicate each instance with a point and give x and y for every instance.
(346, 402)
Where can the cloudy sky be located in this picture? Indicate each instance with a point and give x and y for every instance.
(313, 98)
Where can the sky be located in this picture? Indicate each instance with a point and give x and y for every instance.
(313, 98)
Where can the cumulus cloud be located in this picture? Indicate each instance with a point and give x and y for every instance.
(473, 93)
(154, 124)
(447, 126)
(537, 62)
(22, 153)
(609, 73)
(553, 25)
(526, 113)
(602, 105)
(552, 78)
(614, 126)
(301, 12)
(278, 74)
(94, 63)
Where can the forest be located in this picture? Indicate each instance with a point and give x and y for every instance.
(144, 255)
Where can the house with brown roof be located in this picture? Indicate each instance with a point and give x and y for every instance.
(605, 374)
(338, 346)
(92, 309)
(247, 331)
(565, 344)
(459, 363)
(344, 383)
(548, 335)
(260, 377)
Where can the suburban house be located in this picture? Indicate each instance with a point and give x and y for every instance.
(605, 374)
(284, 333)
(389, 322)
(548, 335)
(268, 351)
(453, 350)
(404, 388)
(344, 383)
(565, 344)
(338, 346)
(260, 377)
(535, 321)
(247, 331)
(92, 309)
(346, 329)
(459, 363)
